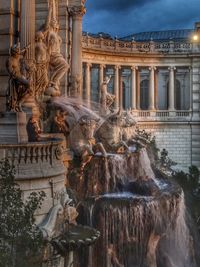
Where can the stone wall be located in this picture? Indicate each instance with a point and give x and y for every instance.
(176, 138)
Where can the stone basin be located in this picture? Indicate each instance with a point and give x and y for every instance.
(76, 237)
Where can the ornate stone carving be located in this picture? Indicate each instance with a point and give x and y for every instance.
(82, 139)
(60, 122)
(57, 64)
(33, 130)
(20, 78)
(77, 10)
(76, 85)
(113, 133)
(59, 216)
(106, 99)
(110, 134)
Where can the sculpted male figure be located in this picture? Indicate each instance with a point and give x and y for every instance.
(19, 85)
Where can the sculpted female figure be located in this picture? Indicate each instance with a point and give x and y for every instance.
(57, 63)
(42, 59)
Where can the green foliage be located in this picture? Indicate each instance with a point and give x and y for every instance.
(194, 175)
(20, 239)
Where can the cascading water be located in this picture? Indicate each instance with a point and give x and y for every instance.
(141, 218)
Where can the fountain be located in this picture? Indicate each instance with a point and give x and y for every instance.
(139, 212)
(41, 159)
(123, 199)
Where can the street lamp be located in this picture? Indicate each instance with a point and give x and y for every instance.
(195, 37)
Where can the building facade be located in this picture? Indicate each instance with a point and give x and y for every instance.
(156, 75)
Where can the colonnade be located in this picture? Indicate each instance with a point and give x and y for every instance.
(135, 85)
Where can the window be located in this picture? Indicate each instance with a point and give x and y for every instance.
(144, 94)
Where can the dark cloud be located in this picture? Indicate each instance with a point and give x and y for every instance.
(115, 5)
(124, 17)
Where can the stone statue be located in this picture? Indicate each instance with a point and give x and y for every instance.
(60, 122)
(42, 61)
(110, 134)
(118, 132)
(82, 140)
(19, 84)
(33, 130)
(106, 99)
(57, 64)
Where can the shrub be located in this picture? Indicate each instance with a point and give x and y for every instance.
(20, 239)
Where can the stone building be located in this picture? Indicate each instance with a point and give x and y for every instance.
(157, 76)
(39, 167)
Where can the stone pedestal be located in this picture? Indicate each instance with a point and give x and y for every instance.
(13, 128)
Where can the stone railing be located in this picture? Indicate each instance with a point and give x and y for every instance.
(36, 160)
(162, 115)
(33, 152)
(171, 47)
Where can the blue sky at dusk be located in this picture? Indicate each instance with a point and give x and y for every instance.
(123, 17)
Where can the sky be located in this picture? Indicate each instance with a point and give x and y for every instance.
(124, 17)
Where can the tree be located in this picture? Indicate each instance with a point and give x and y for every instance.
(20, 238)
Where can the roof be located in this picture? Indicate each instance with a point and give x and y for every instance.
(175, 35)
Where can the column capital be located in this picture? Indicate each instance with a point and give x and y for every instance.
(172, 68)
(103, 66)
(117, 67)
(152, 68)
(88, 64)
(134, 68)
(77, 11)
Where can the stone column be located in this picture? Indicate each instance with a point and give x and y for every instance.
(156, 89)
(171, 93)
(76, 61)
(152, 88)
(88, 83)
(138, 88)
(116, 86)
(134, 87)
(27, 38)
(121, 90)
(101, 73)
(101, 77)
(28, 28)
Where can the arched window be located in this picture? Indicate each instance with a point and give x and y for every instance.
(144, 94)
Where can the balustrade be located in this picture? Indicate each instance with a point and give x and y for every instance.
(139, 47)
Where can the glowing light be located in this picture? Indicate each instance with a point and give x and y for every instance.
(195, 37)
